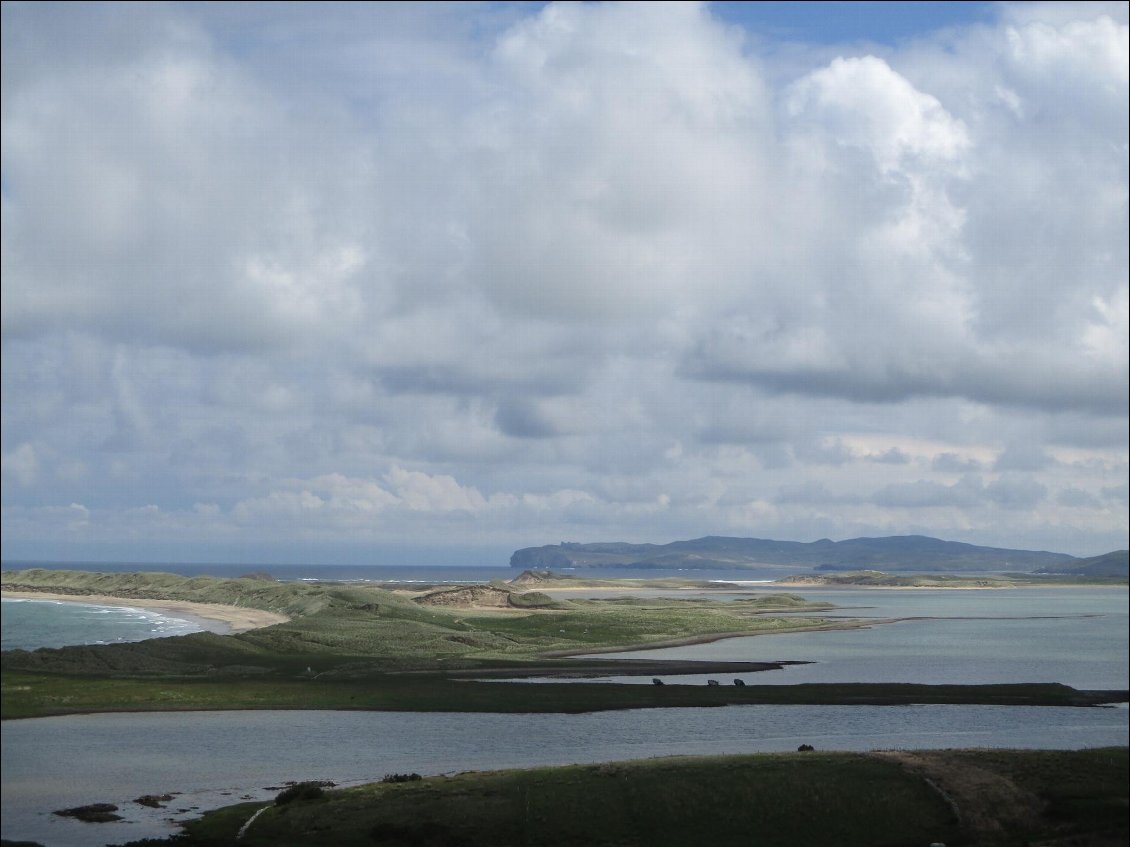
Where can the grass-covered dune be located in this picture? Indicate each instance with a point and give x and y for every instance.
(346, 630)
(1074, 798)
(338, 635)
(357, 647)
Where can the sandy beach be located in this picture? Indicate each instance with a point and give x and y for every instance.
(214, 617)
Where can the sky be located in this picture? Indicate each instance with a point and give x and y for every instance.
(424, 283)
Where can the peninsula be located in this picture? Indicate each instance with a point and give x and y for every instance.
(348, 646)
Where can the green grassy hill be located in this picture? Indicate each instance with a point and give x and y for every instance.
(1115, 563)
(1075, 798)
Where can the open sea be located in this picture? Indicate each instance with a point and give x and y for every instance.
(1077, 636)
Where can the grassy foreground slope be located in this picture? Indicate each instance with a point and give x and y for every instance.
(848, 799)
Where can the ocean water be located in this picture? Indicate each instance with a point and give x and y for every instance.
(28, 624)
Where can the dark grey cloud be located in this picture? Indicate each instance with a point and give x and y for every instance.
(823, 452)
(1100, 393)
(953, 463)
(1022, 457)
(1016, 492)
(893, 456)
(1076, 498)
(810, 493)
(1117, 493)
(520, 417)
(924, 494)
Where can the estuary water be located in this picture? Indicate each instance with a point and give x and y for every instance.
(1075, 636)
(209, 759)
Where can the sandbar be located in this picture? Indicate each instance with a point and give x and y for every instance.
(221, 619)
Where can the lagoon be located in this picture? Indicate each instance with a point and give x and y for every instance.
(1075, 636)
(216, 758)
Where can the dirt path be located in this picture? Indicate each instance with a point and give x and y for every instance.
(987, 805)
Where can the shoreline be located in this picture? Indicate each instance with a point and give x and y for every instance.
(213, 617)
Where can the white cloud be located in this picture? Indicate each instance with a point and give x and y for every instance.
(22, 464)
(862, 103)
(589, 270)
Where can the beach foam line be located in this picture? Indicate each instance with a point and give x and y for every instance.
(235, 619)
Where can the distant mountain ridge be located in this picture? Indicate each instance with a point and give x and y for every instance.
(1115, 563)
(890, 553)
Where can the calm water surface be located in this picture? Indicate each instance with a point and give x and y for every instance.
(1075, 636)
(217, 758)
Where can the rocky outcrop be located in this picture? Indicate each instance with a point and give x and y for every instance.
(93, 813)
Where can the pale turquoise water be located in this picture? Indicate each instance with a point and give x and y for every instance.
(28, 624)
(217, 758)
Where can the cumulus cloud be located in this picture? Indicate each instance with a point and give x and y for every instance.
(22, 464)
(597, 270)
